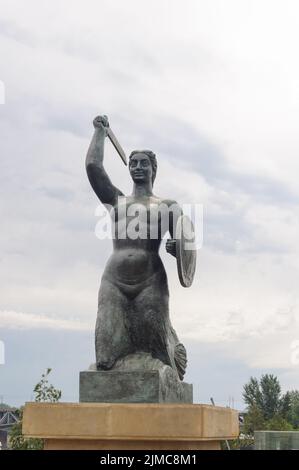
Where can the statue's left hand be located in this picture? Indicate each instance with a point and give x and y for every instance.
(171, 247)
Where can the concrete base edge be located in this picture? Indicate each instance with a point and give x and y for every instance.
(108, 426)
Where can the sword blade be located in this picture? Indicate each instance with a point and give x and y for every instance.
(117, 145)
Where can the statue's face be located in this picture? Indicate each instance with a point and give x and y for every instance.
(140, 168)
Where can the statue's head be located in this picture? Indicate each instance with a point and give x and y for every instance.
(143, 166)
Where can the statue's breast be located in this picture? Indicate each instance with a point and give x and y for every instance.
(140, 220)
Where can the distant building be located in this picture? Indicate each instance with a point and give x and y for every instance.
(8, 418)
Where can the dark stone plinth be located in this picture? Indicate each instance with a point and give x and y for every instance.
(140, 386)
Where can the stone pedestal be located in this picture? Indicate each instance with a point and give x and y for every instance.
(143, 386)
(129, 426)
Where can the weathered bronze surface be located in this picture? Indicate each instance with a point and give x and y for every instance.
(133, 313)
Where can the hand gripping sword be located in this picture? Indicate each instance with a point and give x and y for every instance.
(116, 144)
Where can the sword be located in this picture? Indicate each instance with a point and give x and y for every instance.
(116, 145)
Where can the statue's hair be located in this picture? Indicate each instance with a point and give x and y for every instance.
(152, 156)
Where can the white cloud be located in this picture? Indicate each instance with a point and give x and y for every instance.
(21, 320)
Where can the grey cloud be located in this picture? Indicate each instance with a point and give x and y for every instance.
(187, 148)
(184, 144)
(57, 193)
(13, 31)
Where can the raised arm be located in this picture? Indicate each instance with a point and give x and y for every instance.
(98, 178)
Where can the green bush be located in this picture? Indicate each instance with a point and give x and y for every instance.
(44, 392)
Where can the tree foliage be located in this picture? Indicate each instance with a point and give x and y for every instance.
(254, 420)
(5, 406)
(44, 392)
(18, 442)
(292, 414)
(267, 407)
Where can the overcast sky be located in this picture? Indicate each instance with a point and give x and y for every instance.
(212, 87)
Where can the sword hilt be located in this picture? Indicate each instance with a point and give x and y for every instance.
(103, 121)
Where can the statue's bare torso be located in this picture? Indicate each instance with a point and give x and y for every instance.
(135, 258)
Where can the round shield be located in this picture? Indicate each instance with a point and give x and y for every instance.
(185, 250)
